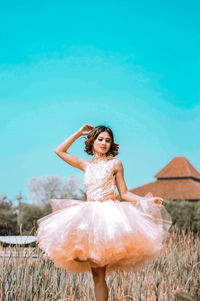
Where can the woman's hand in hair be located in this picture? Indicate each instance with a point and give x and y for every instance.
(86, 129)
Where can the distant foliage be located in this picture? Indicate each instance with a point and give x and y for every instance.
(8, 217)
(22, 218)
(14, 221)
(185, 214)
(29, 216)
(42, 189)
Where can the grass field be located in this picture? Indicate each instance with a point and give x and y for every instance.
(174, 275)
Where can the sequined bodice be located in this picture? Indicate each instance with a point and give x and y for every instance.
(99, 180)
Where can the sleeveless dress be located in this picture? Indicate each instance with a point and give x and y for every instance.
(102, 231)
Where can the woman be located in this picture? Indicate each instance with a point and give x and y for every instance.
(102, 234)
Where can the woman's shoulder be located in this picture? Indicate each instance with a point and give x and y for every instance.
(117, 163)
(113, 159)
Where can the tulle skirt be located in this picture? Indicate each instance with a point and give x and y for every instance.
(79, 235)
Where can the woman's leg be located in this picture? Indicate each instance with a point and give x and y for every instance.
(100, 286)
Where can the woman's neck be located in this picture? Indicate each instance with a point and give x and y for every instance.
(99, 157)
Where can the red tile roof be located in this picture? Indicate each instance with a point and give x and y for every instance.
(178, 167)
(179, 189)
(177, 180)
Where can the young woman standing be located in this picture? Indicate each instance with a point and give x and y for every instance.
(103, 234)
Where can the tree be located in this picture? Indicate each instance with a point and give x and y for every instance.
(8, 218)
(41, 190)
(29, 216)
(185, 214)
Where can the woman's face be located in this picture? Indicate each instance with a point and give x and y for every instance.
(102, 143)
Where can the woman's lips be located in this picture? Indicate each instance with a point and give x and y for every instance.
(102, 148)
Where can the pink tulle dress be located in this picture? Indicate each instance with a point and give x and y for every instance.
(102, 231)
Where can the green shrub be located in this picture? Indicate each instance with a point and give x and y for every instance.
(185, 214)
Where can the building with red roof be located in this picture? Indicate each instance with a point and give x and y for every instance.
(178, 180)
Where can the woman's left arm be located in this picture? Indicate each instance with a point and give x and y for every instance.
(124, 194)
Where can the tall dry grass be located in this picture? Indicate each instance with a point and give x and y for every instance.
(173, 275)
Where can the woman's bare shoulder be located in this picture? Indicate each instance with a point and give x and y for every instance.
(117, 161)
(117, 164)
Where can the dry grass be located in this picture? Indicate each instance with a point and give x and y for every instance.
(174, 275)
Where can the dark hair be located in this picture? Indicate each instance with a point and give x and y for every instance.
(92, 136)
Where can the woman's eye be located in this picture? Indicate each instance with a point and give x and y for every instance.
(106, 140)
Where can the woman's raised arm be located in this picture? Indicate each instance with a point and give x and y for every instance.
(61, 150)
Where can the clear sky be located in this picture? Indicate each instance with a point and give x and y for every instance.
(130, 65)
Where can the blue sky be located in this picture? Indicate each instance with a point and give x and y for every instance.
(134, 66)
